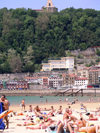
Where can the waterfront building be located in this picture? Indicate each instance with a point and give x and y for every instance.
(45, 81)
(13, 85)
(94, 75)
(81, 82)
(1, 85)
(63, 63)
(52, 82)
(55, 82)
(33, 79)
(70, 80)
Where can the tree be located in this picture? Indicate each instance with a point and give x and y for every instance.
(14, 61)
(29, 60)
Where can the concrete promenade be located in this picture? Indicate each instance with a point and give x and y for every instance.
(52, 92)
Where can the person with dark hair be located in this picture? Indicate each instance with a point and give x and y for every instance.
(6, 105)
(2, 99)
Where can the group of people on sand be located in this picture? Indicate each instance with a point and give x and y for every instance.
(69, 124)
(5, 106)
(43, 118)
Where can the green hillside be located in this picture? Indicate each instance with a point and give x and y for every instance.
(28, 37)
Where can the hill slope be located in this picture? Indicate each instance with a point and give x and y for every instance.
(27, 37)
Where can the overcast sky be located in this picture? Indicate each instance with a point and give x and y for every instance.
(60, 4)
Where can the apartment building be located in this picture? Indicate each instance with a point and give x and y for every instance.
(63, 63)
(55, 82)
(84, 72)
(94, 76)
(81, 81)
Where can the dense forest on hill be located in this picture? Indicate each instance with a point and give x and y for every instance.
(28, 37)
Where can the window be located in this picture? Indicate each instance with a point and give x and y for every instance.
(49, 4)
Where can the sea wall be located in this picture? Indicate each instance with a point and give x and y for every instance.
(49, 92)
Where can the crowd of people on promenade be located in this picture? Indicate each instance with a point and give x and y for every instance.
(47, 118)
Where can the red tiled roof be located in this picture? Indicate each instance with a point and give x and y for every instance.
(81, 78)
(72, 75)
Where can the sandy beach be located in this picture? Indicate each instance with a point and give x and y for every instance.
(13, 121)
(90, 106)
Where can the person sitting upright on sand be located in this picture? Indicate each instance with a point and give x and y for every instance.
(59, 111)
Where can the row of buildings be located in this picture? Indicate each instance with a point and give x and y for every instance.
(52, 75)
(14, 85)
(60, 73)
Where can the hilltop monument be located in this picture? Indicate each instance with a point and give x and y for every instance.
(50, 7)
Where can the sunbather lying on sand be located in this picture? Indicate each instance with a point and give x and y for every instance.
(91, 116)
(42, 125)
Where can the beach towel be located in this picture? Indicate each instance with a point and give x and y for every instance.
(2, 125)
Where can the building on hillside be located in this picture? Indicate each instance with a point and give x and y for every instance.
(50, 7)
(63, 63)
(84, 72)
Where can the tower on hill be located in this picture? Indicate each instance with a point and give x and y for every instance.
(50, 7)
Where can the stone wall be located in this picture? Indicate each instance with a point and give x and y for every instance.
(17, 76)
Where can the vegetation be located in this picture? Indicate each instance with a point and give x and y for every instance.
(28, 37)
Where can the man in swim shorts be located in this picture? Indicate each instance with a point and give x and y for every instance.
(6, 105)
(23, 104)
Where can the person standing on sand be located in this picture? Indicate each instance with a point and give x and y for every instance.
(23, 104)
(6, 105)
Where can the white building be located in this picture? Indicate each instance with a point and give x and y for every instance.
(81, 82)
(63, 63)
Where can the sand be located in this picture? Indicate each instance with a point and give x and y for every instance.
(13, 128)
